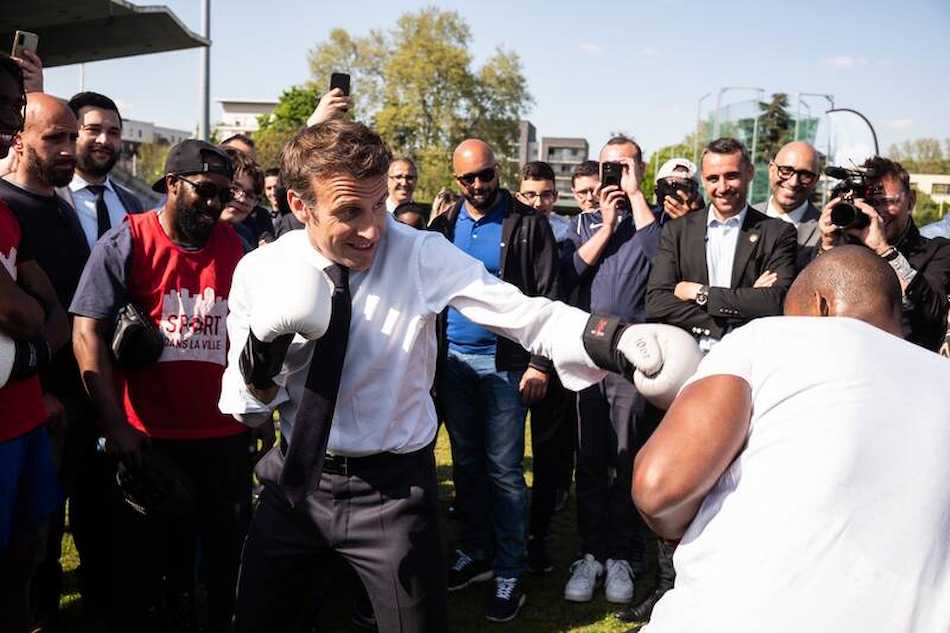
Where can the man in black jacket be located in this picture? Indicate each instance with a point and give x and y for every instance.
(484, 382)
(718, 270)
(922, 265)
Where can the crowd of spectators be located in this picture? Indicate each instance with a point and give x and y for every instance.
(104, 427)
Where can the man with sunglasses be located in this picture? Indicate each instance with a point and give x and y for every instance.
(485, 381)
(921, 264)
(175, 264)
(793, 176)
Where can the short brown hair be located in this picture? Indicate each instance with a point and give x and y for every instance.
(726, 145)
(334, 147)
(880, 167)
(244, 164)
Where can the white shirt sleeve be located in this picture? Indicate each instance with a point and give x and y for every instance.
(449, 276)
(236, 399)
(732, 356)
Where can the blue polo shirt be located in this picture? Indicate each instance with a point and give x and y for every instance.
(482, 240)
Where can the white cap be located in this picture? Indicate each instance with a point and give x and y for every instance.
(669, 169)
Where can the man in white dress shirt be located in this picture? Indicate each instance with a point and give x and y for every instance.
(100, 203)
(374, 498)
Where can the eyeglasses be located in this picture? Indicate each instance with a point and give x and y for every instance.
(531, 196)
(485, 175)
(403, 177)
(207, 190)
(239, 193)
(886, 201)
(805, 177)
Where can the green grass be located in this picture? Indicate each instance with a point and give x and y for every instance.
(545, 611)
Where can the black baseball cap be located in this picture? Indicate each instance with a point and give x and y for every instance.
(195, 157)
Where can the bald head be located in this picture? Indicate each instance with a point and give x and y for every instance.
(46, 148)
(475, 170)
(789, 191)
(472, 155)
(848, 281)
(43, 109)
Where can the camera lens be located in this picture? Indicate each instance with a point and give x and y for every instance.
(847, 216)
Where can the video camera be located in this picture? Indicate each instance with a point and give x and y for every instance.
(855, 183)
(671, 187)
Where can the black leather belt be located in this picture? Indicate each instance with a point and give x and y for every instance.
(346, 466)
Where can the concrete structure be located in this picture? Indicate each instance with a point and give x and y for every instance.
(136, 133)
(563, 154)
(75, 31)
(239, 116)
(527, 142)
(937, 186)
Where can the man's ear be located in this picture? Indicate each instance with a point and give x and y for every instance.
(18, 145)
(298, 206)
(824, 309)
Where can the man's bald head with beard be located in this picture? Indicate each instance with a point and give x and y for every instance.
(848, 281)
(46, 148)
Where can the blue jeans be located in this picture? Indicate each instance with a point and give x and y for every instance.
(485, 419)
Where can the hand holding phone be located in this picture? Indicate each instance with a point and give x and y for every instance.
(24, 54)
(332, 104)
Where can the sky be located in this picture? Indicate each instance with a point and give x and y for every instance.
(592, 67)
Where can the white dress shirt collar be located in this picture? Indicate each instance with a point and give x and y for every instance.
(713, 220)
(78, 182)
(792, 217)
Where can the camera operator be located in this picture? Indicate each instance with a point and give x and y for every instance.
(921, 264)
(677, 190)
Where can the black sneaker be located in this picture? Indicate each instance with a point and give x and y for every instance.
(506, 601)
(465, 570)
(538, 561)
(641, 612)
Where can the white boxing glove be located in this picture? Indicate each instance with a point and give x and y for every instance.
(664, 358)
(657, 358)
(289, 295)
(7, 357)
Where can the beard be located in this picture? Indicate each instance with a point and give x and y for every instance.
(195, 223)
(88, 163)
(482, 199)
(56, 172)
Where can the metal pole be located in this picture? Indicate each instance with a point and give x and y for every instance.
(82, 77)
(699, 105)
(877, 150)
(755, 139)
(204, 79)
(798, 112)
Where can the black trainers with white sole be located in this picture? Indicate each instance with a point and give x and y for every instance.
(505, 602)
(465, 570)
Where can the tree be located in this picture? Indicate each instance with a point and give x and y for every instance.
(150, 161)
(775, 126)
(415, 85)
(275, 129)
(927, 209)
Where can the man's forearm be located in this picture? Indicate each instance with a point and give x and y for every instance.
(642, 214)
(97, 372)
(591, 250)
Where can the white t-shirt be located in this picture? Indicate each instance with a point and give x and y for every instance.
(836, 515)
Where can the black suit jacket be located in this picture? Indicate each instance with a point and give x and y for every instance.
(764, 244)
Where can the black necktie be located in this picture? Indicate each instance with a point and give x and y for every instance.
(303, 463)
(102, 211)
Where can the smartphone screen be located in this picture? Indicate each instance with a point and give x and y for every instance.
(610, 174)
(341, 81)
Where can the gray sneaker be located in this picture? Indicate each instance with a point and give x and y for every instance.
(619, 581)
(586, 575)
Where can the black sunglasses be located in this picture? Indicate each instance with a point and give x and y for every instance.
(485, 175)
(207, 190)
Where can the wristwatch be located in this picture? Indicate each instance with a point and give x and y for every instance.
(702, 295)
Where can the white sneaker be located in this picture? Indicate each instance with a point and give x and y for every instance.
(619, 581)
(586, 575)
